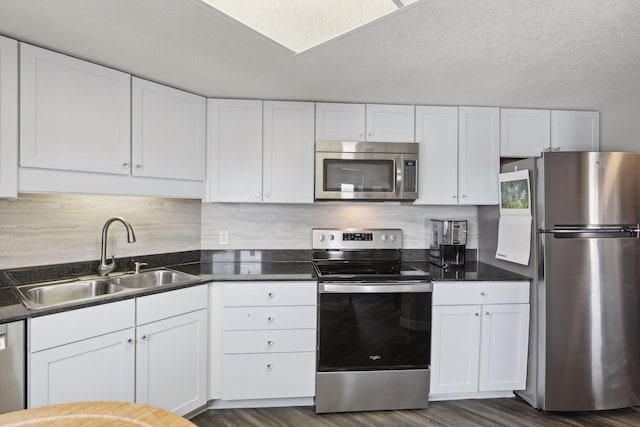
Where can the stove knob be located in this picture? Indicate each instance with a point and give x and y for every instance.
(321, 237)
(332, 237)
(392, 237)
(383, 237)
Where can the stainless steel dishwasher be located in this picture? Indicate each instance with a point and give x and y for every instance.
(12, 366)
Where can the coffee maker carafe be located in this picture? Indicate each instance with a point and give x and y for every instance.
(449, 242)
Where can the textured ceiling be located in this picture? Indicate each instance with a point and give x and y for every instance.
(525, 53)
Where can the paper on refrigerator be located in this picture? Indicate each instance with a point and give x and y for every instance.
(514, 226)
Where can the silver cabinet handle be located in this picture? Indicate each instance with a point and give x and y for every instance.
(556, 149)
(455, 197)
(464, 196)
(483, 294)
(370, 133)
(130, 341)
(270, 343)
(258, 194)
(268, 195)
(271, 294)
(270, 319)
(476, 314)
(362, 135)
(487, 314)
(138, 166)
(269, 366)
(144, 337)
(125, 165)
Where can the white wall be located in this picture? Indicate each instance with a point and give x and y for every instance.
(49, 229)
(620, 124)
(268, 226)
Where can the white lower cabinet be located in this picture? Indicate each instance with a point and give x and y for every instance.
(150, 350)
(479, 338)
(99, 368)
(264, 342)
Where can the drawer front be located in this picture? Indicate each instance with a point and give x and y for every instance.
(276, 341)
(268, 376)
(246, 318)
(243, 294)
(171, 303)
(456, 293)
(75, 325)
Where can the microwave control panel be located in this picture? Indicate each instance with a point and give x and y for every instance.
(410, 176)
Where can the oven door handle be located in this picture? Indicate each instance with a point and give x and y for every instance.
(374, 287)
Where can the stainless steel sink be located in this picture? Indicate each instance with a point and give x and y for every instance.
(46, 295)
(43, 295)
(150, 279)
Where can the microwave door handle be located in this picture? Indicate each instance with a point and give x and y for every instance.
(398, 185)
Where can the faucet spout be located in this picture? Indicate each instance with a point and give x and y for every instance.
(105, 268)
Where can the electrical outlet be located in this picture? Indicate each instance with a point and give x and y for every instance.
(223, 237)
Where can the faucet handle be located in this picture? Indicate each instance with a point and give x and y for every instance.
(139, 264)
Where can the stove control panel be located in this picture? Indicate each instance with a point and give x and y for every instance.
(357, 238)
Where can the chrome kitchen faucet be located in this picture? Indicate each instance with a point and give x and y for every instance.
(104, 268)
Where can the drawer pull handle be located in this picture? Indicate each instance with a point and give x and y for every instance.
(145, 337)
(487, 314)
(271, 295)
(269, 366)
(483, 294)
(270, 319)
(477, 314)
(269, 343)
(130, 341)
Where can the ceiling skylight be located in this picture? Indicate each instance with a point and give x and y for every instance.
(300, 25)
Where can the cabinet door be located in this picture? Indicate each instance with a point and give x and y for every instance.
(503, 347)
(74, 115)
(171, 363)
(288, 152)
(234, 150)
(8, 117)
(575, 131)
(455, 349)
(479, 155)
(390, 123)
(100, 368)
(437, 134)
(340, 122)
(168, 132)
(524, 133)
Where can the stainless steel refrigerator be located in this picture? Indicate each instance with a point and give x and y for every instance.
(584, 347)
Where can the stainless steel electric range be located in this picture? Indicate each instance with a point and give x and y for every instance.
(374, 323)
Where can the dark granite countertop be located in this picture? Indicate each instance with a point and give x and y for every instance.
(210, 266)
(472, 271)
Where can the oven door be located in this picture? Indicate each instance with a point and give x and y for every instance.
(374, 326)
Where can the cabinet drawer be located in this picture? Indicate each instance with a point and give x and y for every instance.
(276, 341)
(75, 325)
(269, 294)
(455, 293)
(169, 304)
(264, 376)
(246, 318)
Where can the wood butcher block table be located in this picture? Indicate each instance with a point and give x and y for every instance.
(94, 414)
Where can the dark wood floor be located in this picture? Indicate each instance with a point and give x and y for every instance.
(479, 412)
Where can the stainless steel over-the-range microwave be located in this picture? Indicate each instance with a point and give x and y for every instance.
(366, 171)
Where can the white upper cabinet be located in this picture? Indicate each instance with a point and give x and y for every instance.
(8, 117)
(340, 122)
(524, 133)
(260, 156)
(360, 122)
(529, 133)
(74, 115)
(168, 132)
(288, 147)
(459, 155)
(437, 134)
(575, 131)
(234, 150)
(390, 123)
(478, 155)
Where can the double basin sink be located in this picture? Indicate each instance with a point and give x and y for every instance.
(43, 295)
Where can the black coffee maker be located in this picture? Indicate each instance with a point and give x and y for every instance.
(449, 242)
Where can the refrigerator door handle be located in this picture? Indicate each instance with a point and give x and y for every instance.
(601, 231)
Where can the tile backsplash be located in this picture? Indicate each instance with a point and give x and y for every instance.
(273, 226)
(38, 229)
